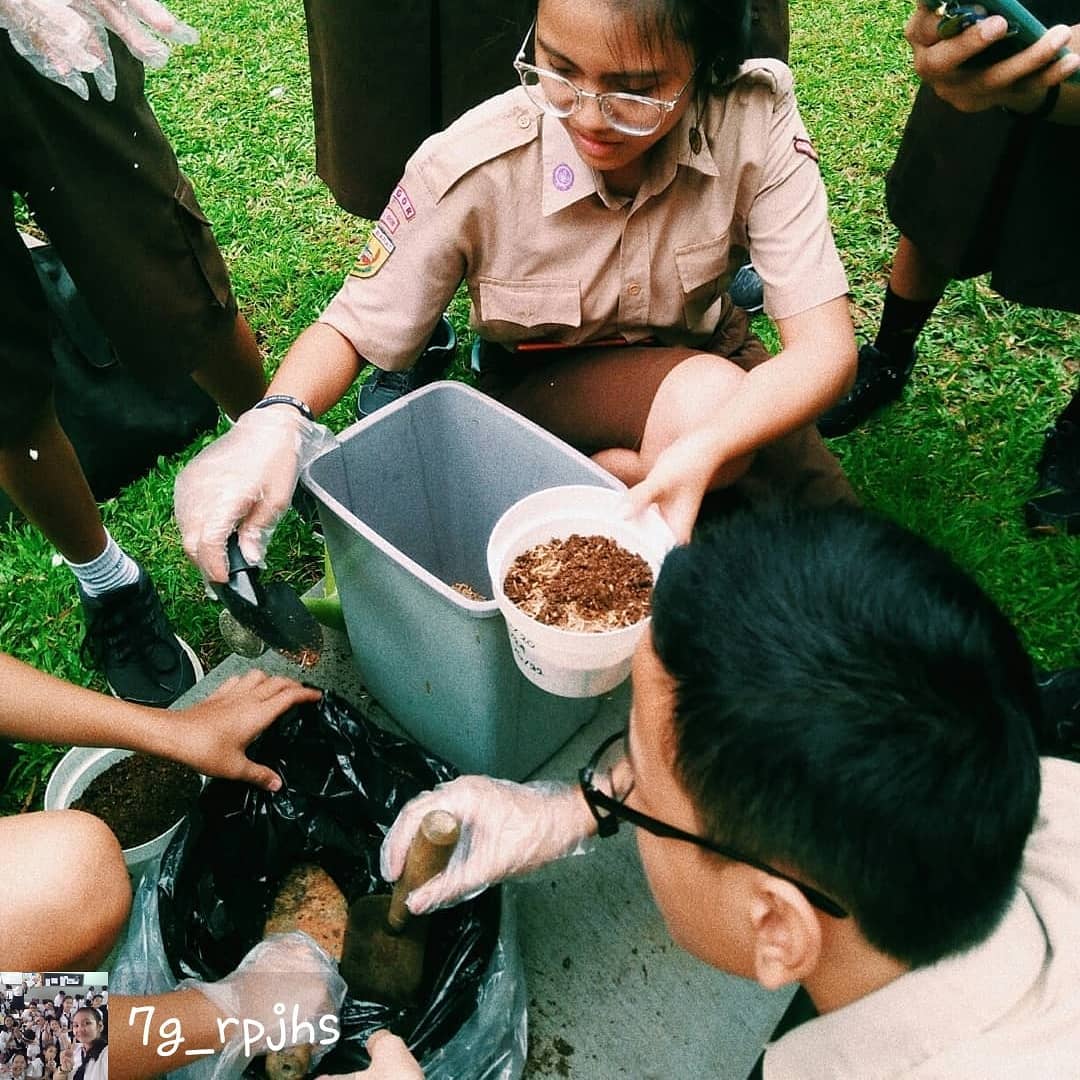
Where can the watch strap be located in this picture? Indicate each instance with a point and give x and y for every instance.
(286, 399)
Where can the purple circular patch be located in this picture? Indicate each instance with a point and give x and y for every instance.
(563, 177)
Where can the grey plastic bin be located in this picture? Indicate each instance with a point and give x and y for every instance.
(407, 500)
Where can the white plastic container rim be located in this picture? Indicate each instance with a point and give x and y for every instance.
(71, 777)
(572, 663)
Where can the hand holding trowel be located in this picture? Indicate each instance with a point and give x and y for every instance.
(379, 946)
(270, 610)
(384, 945)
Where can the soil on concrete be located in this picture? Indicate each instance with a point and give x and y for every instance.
(588, 583)
(140, 797)
(469, 592)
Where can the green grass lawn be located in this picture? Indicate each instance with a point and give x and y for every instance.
(954, 460)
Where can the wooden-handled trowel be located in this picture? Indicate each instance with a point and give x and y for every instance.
(383, 955)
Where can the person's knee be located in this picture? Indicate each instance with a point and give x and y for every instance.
(694, 394)
(85, 873)
(107, 888)
(697, 389)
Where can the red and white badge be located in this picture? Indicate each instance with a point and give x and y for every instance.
(802, 145)
(401, 197)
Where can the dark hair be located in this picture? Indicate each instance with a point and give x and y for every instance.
(95, 1049)
(717, 33)
(91, 1009)
(850, 705)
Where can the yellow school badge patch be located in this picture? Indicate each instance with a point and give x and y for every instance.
(375, 252)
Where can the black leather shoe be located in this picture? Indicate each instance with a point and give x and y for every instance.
(1055, 509)
(1054, 513)
(746, 289)
(1059, 695)
(878, 381)
(1059, 463)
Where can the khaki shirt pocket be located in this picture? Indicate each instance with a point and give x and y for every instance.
(705, 275)
(517, 310)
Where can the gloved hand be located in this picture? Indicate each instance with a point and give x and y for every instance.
(244, 481)
(280, 972)
(506, 829)
(65, 40)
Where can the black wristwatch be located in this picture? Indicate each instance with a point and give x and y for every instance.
(286, 399)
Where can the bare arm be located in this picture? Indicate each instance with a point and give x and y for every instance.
(319, 368)
(789, 391)
(210, 736)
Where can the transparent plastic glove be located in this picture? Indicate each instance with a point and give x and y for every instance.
(58, 41)
(284, 982)
(143, 25)
(507, 829)
(65, 40)
(244, 481)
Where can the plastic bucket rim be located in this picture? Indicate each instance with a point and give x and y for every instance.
(63, 794)
(558, 633)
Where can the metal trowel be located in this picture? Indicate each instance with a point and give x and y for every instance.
(383, 955)
(271, 610)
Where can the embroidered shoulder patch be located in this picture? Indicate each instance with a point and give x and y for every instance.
(802, 145)
(373, 255)
(390, 220)
(401, 197)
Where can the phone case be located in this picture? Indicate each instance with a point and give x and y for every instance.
(1024, 28)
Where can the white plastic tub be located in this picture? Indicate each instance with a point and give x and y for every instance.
(71, 777)
(572, 663)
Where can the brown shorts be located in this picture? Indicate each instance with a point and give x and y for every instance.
(600, 398)
(104, 184)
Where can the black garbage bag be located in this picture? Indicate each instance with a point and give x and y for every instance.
(345, 779)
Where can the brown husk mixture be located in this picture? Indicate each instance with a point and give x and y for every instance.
(581, 583)
(468, 591)
(140, 797)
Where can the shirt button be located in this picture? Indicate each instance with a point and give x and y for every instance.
(524, 121)
(633, 288)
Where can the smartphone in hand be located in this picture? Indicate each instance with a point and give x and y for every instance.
(1024, 28)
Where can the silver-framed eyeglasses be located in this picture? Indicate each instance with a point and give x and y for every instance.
(632, 114)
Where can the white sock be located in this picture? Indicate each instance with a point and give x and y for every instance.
(112, 569)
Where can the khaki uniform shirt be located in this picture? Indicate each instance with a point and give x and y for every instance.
(502, 200)
(1007, 1009)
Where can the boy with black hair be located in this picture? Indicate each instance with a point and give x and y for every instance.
(832, 762)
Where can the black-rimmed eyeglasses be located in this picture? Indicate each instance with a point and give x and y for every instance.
(632, 114)
(611, 767)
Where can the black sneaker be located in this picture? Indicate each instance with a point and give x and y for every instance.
(746, 289)
(878, 381)
(384, 387)
(129, 639)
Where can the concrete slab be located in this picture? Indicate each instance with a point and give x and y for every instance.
(610, 996)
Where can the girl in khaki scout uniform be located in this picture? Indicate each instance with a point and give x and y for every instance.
(593, 214)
